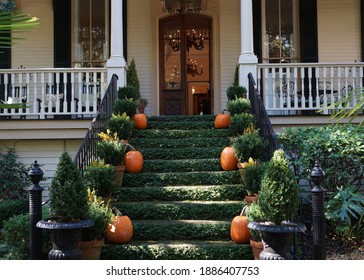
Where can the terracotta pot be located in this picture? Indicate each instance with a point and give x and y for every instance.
(257, 247)
(120, 170)
(91, 250)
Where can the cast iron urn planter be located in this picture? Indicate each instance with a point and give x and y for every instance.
(65, 238)
(277, 239)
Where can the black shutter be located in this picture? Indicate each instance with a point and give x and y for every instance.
(5, 57)
(362, 28)
(62, 33)
(257, 29)
(308, 31)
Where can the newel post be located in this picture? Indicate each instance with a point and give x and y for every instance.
(318, 213)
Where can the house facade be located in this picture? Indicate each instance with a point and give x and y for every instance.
(303, 55)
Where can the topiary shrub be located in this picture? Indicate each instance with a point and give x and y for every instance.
(132, 76)
(121, 124)
(67, 191)
(239, 122)
(128, 106)
(249, 145)
(11, 207)
(279, 194)
(239, 106)
(128, 92)
(234, 92)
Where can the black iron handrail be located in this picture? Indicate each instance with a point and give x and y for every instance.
(87, 151)
(263, 123)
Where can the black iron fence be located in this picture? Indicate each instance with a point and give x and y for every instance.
(263, 123)
(87, 151)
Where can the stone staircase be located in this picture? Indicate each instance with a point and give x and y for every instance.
(182, 203)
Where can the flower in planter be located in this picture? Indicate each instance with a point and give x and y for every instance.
(111, 149)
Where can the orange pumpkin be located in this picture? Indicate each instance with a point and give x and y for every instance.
(239, 230)
(121, 230)
(140, 121)
(222, 121)
(228, 159)
(133, 161)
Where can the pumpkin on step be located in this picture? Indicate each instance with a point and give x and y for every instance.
(228, 159)
(239, 230)
(133, 161)
(140, 121)
(121, 230)
(222, 120)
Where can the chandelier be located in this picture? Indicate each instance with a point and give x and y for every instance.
(192, 41)
(192, 68)
(184, 6)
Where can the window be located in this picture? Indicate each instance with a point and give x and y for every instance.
(280, 31)
(90, 33)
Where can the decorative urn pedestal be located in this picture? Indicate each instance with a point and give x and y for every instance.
(277, 239)
(65, 238)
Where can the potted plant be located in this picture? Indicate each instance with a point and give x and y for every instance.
(67, 208)
(236, 91)
(128, 92)
(121, 124)
(238, 106)
(112, 150)
(249, 145)
(253, 213)
(251, 175)
(239, 122)
(93, 238)
(125, 105)
(278, 202)
(101, 178)
(142, 103)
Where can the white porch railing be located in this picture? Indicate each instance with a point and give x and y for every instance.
(304, 88)
(46, 93)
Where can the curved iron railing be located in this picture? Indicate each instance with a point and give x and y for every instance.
(87, 151)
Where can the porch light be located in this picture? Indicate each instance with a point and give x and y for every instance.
(184, 6)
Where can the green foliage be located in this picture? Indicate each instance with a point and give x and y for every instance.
(129, 106)
(345, 212)
(239, 106)
(128, 92)
(236, 76)
(278, 196)
(13, 176)
(120, 124)
(341, 110)
(252, 177)
(254, 213)
(100, 213)
(100, 177)
(111, 149)
(239, 122)
(338, 148)
(12, 22)
(249, 145)
(132, 76)
(16, 237)
(12, 207)
(234, 92)
(67, 191)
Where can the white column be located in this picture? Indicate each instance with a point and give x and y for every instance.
(247, 60)
(116, 64)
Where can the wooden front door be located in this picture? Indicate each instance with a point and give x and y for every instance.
(184, 65)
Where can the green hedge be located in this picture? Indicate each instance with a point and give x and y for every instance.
(181, 133)
(11, 207)
(180, 210)
(185, 165)
(180, 143)
(181, 153)
(194, 251)
(180, 179)
(213, 193)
